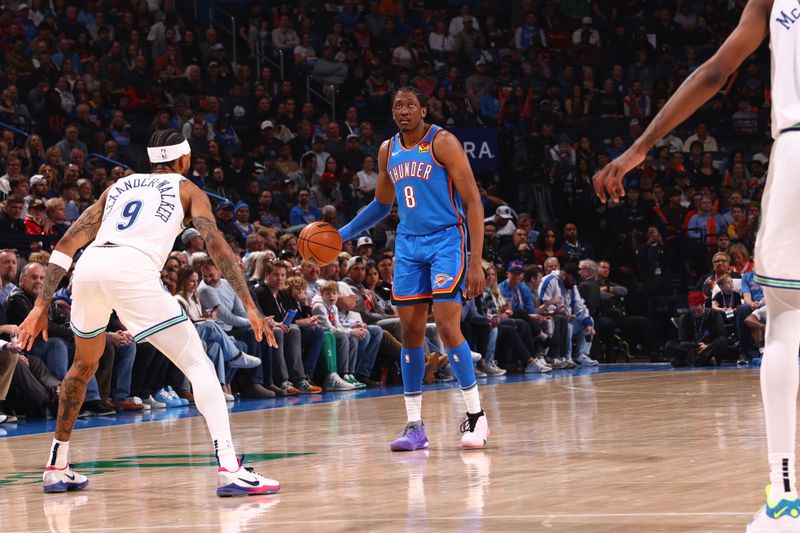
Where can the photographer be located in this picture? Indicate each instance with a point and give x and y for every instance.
(701, 335)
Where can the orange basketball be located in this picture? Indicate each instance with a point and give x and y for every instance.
(319, 243)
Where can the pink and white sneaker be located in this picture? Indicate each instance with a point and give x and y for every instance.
(244, 482)
(63, 479)
(475, 430)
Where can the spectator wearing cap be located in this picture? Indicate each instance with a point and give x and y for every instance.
(702, 339)
(241, 216)
(351, 157)
(326, 192)
(224, 216)
(304, 213)
(38, 189)
(586, 26)
(504, 221)
(272, 145)
(559, 292)
(36, 223)
(365, 247)
(193, 242)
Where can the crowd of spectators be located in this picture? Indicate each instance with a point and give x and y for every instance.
(566, 84)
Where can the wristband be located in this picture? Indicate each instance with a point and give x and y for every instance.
(61, 259)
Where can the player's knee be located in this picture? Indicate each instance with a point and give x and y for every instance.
(450, 332)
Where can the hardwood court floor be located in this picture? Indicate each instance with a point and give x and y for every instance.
(675, 451)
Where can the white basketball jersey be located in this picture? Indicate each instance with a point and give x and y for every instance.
(143, 211)
(784, 37)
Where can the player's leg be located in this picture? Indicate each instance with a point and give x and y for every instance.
(448, 320)
(412, 367)
(58, 475)
(182, 345)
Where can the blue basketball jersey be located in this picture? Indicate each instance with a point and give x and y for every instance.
(427, 200)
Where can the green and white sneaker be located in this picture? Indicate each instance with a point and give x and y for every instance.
(351, 379)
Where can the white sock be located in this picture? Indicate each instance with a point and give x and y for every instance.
(226, 455)
(413, 407)
(472, 399)
(779, 383)
(59, 450)
(181, 344)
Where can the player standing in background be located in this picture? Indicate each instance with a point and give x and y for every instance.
(425, 168)
(778, 241)
(130, 231)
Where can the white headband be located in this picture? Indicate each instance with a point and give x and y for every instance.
(163, 154)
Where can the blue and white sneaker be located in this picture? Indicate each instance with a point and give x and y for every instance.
(63, 479)
(781, 516)
(413, 438)
(166, 398)
(175, 396)
(244, 482)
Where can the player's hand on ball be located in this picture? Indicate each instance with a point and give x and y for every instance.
(608, 181)
(475, 280)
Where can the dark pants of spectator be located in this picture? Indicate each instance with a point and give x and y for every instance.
(149, 370)
(477, 336)
(32, 388)
(105, 371)
(511, 350)
(388, 355)
(680, 356)
(263, 373)
(311, 341)
(742, 331)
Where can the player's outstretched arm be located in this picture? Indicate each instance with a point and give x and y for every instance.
(227, 262)
(379, 207)
(78, 235)
(701, 85)
(449, 152)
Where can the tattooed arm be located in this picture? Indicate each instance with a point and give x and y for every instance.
(196, 204)
(81, 233)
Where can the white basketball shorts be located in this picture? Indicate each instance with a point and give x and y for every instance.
(125, 280)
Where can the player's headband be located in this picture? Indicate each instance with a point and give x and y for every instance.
(163, 154)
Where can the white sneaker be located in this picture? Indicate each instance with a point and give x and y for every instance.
(559, 363)
(138, 401)
(244, 360)
(334, 382)
(538, 366)
(585, 360)
(476, 357)
(543, 363)
(476, 432)
(480, 373)
(569, 363)
(63, 479)
(153, 403)
(244, 482)
(228, 397)
(3, 418)
(493, 370)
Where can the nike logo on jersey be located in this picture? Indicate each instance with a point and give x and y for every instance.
(396, 153)
(251, 483)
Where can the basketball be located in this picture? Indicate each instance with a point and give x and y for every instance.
(319, 243)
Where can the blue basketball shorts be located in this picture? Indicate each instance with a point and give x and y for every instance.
(430, 267)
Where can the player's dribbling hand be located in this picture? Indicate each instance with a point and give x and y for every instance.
(34, 324)
(475, 280)
(262, 327)
(608, 181)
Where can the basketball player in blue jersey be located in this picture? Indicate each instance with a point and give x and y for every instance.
(427, 171)
(778, 240)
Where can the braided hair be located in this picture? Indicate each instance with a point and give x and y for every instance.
(413, 89)
(168, 137)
